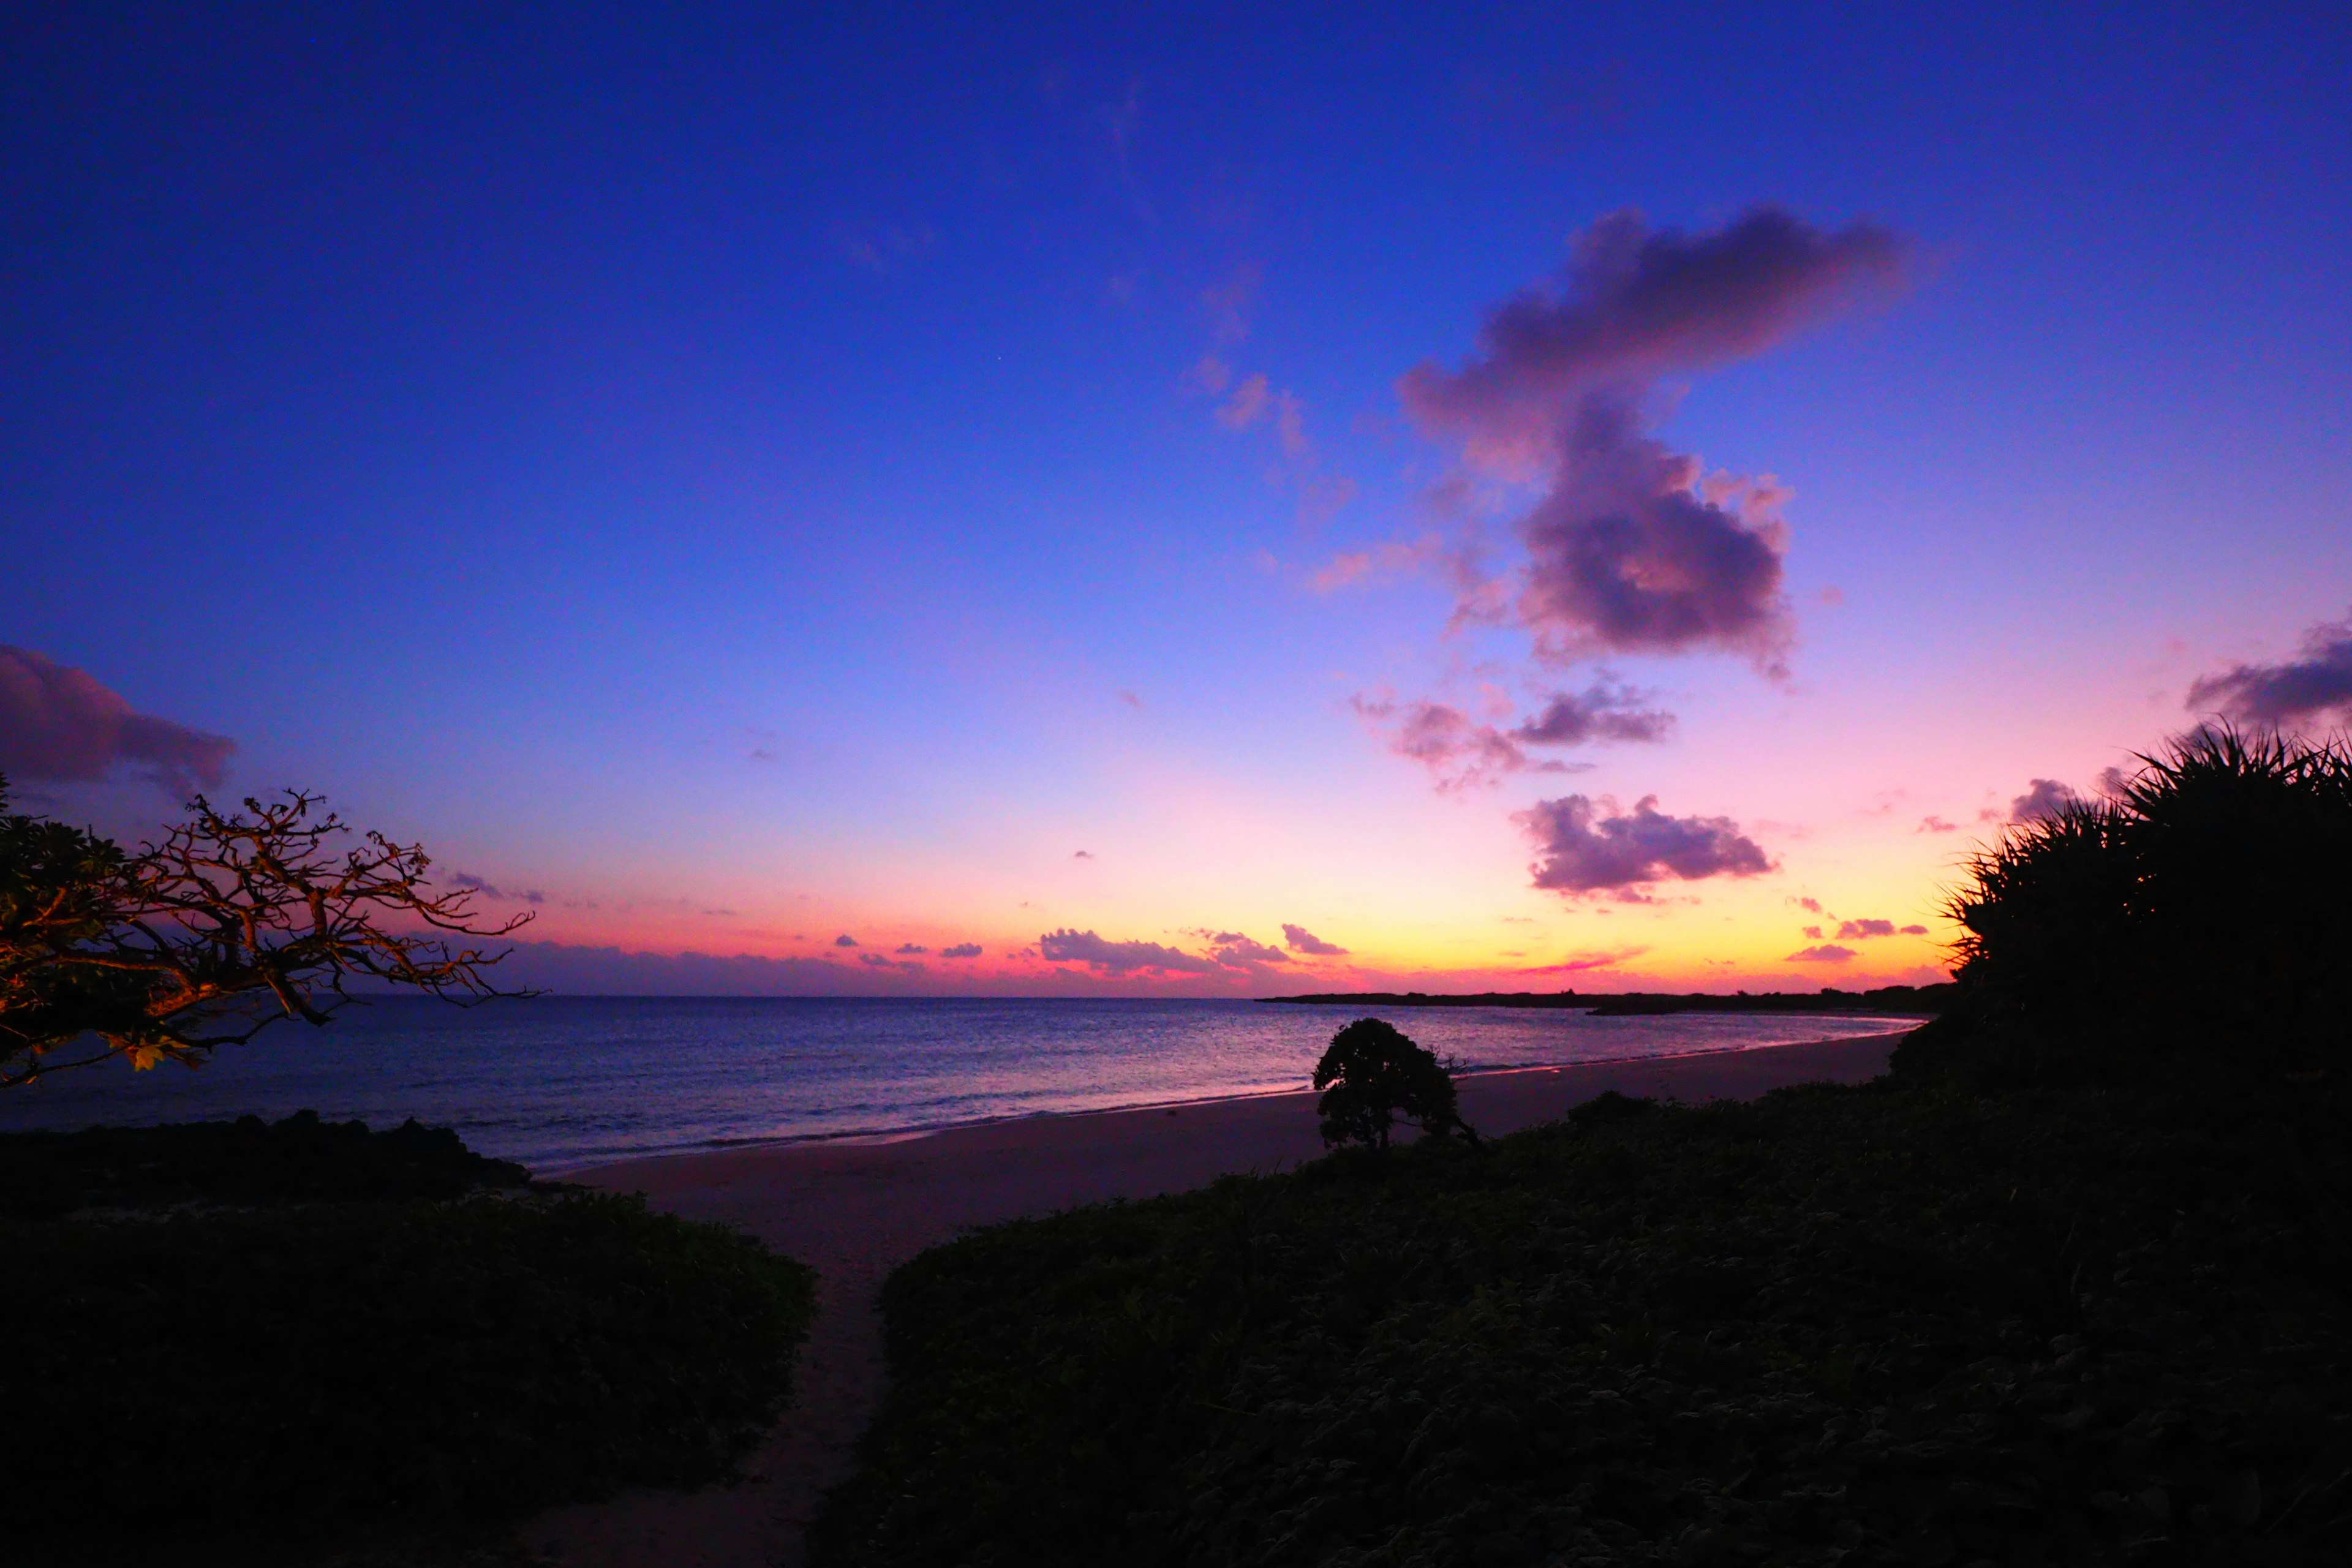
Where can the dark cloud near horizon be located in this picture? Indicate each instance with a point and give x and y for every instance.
(61, 723)
(492, 891)
(1582, 852)
(2043, 798)
(1301, 939)
(881, 961)
(2279, 696)
(845, 939)
(909, 947)
(1914, 931)
(1828, 952)
(1235, 951)
(1585, 963)
(1851, 931)
(1066, 946)
(961, 950)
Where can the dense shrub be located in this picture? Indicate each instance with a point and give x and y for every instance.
(1868, 1326)
(1373, 1073)
(254, 1380)
(2198, 923)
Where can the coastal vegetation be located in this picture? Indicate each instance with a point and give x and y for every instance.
(1373, 1073)
(255, 1344)
(252, 1344)
(230, 923)
(2072, 1283)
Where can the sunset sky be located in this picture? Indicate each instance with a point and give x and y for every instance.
(1178, 500)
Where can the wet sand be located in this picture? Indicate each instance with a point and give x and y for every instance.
(857, 1210)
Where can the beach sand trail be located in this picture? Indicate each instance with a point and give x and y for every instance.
(855, 1211)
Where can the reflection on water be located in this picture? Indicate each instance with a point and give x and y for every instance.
(566, 1081)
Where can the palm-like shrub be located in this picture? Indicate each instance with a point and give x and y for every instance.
(2203, 915)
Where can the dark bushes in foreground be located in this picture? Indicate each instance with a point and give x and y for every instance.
(1876, 1326)
(2198, 922)
(248, 1383)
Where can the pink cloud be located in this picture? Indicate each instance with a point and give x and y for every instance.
(1621, 854)
(1829, 953)
(1105, 957)
(1301, 939)
(59, 722)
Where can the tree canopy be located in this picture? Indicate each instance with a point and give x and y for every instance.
(232, 922)
(1373, 1073)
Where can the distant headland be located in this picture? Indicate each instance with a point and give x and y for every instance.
(1923, 1000)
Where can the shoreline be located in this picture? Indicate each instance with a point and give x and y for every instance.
(879, 1137)
(857, 1210)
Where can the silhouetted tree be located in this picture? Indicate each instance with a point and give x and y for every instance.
(230, 924)
(1373, 1073)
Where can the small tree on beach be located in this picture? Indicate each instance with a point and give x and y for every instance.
(1373, 1073)
(232, 922)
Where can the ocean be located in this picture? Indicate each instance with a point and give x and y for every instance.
(561, 1082)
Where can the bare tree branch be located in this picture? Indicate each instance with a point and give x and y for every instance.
(232, 924)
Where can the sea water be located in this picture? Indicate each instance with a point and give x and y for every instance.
(559, 1083)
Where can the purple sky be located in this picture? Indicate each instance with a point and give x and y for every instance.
(1132, 500)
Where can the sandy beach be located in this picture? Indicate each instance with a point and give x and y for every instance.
(857, 1210)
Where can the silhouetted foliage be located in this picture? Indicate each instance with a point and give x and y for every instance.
(263, 1343)
(2200, 922)
(232, 924)
(1868, 1326)
(1371, 1074)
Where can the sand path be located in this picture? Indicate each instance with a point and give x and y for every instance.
(855, 1210)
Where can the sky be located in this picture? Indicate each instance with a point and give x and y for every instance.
(1194, 499)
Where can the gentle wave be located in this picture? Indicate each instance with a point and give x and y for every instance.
(563, 1082)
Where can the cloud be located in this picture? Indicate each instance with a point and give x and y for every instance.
(1813, 932)
(1131, 699)
(1914, 931)
(1584, 963)
(1392, 558)
(877, 960)
(492, 891)
(1635, 548)
(1634, 303)
(961, 950)
(1248, 403)
(1601, 713)
(1085, 947)
(909, 947)
(1083, 854)
(2283, 694)
(1621, 853)
(1458, 751)
(2043, 798)
(845, 939)
(1812, 904)
(1301, 939)
(1853, 931)
(1829, 953)
(59, 722)
(1936, 825)
(1235, 951)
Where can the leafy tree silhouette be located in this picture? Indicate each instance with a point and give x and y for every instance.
(1373, 1073)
